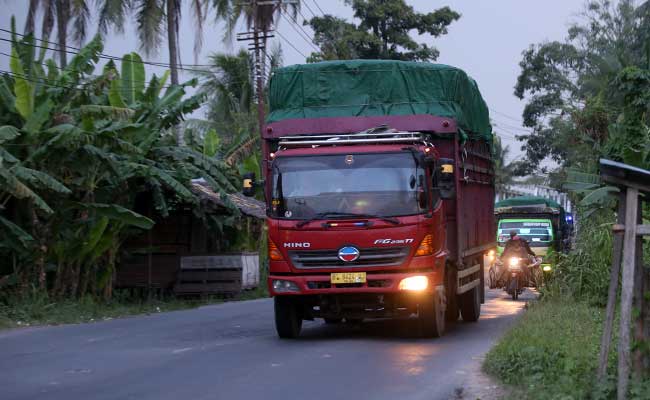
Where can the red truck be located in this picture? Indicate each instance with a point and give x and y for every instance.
(380, 193)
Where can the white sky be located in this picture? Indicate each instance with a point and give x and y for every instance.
(486, 42)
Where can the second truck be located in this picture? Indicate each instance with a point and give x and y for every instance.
(380, 191)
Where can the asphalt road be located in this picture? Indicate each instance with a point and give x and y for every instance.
(230, 351)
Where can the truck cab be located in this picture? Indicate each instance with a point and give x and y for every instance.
(356, 228)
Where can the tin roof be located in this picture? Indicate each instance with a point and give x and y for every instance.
(246, 205)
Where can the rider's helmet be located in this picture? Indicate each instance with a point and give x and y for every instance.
(513, 234)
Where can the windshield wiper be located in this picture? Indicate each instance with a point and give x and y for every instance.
(335, 214)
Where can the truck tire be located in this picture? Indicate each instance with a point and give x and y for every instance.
(431, 315)
(288, 321)
(470, 305)
(332, 321)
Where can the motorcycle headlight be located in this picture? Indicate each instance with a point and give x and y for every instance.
(513, 263)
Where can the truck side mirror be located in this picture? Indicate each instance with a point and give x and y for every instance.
(446, 179)
(248, 187)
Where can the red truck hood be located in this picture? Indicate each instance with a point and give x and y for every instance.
(315, 248)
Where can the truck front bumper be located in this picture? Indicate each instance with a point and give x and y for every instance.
(376, 283)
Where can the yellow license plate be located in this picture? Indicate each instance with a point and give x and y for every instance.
(348, 277)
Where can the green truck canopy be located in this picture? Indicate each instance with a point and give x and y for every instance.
(377, 88)
(523, 201)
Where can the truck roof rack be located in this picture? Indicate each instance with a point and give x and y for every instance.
(381, 134)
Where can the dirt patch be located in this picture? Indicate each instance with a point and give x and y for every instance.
(479, 386)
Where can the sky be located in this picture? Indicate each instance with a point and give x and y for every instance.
(487, 42)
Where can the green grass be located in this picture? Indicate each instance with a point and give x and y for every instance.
(41, 310)
(552, 353)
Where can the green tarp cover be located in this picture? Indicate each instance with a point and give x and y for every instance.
(378, 87)
(527, 201)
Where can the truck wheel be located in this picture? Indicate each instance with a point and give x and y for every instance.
(332, 321)
(470, 305)
(288, 320)
(431, 315)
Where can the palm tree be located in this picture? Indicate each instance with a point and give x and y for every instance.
(60, 13)
(503, 172)
(153, 17)
(263, 16)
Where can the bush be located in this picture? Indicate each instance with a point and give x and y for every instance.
(552, 352)
(584, 273)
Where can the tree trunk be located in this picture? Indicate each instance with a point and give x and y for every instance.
(62, 19)
(31, 17)
(172, 43)
(172, 40)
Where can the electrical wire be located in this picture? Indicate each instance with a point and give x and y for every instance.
(309, 8)
(290, 44)
(305, 36)
(321, 10)
(102, 55)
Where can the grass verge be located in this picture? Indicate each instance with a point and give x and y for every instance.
(552, 353)
(38, 309)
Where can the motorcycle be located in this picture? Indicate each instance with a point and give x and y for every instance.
(513, 274)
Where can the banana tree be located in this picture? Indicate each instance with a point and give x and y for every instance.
(76, 151)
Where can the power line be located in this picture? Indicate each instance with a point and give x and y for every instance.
(27, 77)
(307, 39)
(321, 10)
(113, 58)
(290, 44)
(507, 116)
(102, 55)
(309, 8)
(517, 128)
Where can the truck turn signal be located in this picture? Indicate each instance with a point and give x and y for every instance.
(274, 252)
(426, 246)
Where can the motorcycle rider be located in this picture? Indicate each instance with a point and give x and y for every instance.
(517, 246)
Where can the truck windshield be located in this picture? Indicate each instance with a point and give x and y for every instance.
(371, 184)
(539, 233)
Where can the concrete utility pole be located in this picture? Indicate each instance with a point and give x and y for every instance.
(258, 36)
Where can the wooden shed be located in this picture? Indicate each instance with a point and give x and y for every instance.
(154, 260)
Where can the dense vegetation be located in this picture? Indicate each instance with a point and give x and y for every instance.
(587, 98)
(77, 150)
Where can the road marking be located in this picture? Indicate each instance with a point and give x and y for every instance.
(183, 350)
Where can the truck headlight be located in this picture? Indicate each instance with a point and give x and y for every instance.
(546, 268)
(282, 286)
(414, 283)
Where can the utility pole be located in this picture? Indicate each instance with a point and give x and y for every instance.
(259, 35)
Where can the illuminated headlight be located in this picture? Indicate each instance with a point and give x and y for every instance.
(513, 263)
(282, 286)
(414, 283)
(491, 255)
(546, 268)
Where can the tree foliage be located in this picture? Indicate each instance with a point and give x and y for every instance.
(384, 32)
(77, 151)
(573, 88)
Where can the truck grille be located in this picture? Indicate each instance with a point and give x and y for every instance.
(373, 257)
